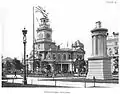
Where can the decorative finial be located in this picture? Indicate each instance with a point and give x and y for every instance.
(98, 24)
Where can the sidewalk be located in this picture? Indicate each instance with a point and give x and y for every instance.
(53, 82)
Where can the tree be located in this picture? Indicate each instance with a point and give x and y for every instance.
(80, 64)
(17, 64)
(55, 66)
(48, 67)
(8, 65)
(116, 66)
(44, 64)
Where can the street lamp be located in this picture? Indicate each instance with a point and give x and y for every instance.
(24, 42)
(27, 65)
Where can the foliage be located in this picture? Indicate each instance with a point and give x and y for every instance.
(17, 64)
(80, 64)
(45, 65)
(36, 64)
(10, 65)
(116, 65)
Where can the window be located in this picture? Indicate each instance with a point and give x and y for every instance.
(38, 46)
(116, 43)
(110, 51)
(64, 57)
(59, 57)
(116, 50)
(54, 57)
(69, 56)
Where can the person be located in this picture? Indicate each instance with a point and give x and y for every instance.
(15, 75)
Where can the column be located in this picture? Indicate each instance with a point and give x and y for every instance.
(96, 45)
(61, 66)
(92, 45)
(100, 45)
(52, 67)
(104, 46)
(70, 67)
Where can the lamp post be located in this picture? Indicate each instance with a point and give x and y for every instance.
(24, 42)
(27, 65)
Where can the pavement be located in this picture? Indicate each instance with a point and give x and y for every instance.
(53, 82)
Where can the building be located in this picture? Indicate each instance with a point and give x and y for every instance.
(46, 51)
(112, 50)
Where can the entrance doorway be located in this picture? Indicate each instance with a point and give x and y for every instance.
(65, 68)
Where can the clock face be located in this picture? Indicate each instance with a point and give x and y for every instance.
(48, 35)
(40, 36)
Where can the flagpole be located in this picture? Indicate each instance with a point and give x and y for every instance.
(33, 41)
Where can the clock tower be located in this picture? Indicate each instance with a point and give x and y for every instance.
(44, 32)
(44, 36)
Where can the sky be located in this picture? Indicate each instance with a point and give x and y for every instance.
(70, 20)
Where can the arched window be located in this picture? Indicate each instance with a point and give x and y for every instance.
(54, 56)
(59, 57)
(110, 51)
(69, 56)
(116, 50)
(64, 57)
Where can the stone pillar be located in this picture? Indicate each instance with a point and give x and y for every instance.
(99, 65)
(105, 46)
(61, 66)
(70, 67)
(94, 45)
(52, 67)
(100, 45)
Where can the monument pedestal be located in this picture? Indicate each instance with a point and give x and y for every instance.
(100, 67)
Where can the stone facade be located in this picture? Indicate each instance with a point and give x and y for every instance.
(112, 49)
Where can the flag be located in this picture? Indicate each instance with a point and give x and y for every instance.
(41, 10)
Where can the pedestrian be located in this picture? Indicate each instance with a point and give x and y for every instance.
(15, 75)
